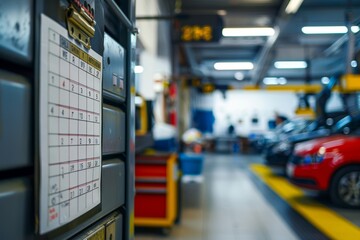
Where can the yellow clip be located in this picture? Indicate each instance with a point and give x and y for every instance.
(80, 25)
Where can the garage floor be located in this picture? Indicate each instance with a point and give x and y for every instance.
(231, 202)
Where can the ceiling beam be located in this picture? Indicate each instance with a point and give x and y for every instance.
(261, 8)
(314, 78)
(266, 54)
(338, 44)
(208, 8)
(221, 46)
(195, 69)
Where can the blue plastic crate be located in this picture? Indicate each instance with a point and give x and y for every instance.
(191, 163)
(165, 145)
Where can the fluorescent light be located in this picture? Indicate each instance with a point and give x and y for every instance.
(233, 66)
(138, 69)
(324, 30)
(354, 63)
(293, 6)
(274, 81)
(355, 29)
(239, 76)
(325, 80)
(248, 32)
(270, 81)
(282, 81)
(328, 29)
(290, 64)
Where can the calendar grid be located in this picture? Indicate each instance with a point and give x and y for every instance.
(74, 130)
(80, 84)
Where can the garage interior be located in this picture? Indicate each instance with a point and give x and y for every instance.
(180, 119)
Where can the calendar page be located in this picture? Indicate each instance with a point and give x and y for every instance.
(70, 127)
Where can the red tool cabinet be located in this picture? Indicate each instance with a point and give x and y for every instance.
(156, 179)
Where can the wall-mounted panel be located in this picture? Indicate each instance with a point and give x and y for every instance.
(16, 201)
(114, 67)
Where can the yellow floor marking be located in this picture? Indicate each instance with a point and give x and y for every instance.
(326, 220)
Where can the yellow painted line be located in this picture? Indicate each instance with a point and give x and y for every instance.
(326, 220)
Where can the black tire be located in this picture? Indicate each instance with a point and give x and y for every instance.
(343, 191)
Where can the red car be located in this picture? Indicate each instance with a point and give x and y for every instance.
(330, 164)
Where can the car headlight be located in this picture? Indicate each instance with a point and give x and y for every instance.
(317, 158)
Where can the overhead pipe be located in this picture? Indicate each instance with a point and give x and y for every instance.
(265, 56)
(351, 44)
(340, 41)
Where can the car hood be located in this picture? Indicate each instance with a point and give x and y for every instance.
(339, 142)
(309, 135)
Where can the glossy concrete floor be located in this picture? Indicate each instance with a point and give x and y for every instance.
(225, 205)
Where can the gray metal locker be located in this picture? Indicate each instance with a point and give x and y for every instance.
(113, 194)
(16, 208)
(16, 32)
(113, 130)
(15, 121)
(20, 99)
(114, 69)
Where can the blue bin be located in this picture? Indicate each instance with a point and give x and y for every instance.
(165, 145)
(191, 164)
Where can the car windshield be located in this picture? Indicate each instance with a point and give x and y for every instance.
(342, 123)
(312, 126)
(347, 125)
(291, 126)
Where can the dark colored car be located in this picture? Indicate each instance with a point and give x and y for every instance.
(278, 154)
(282, 131)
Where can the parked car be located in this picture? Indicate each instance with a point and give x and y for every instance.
(279, 153)
(282, 131)
(330, 164)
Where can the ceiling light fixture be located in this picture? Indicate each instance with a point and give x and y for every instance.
(222, 12)
(274, 81)
(282, 81)
(138, 69)
(239, 76)
(233, 65)
(248, 32)
(290, 64)
(328, 29)
(355, 29)
(293, 6)
(325, 80)
(270, 81)
(354, 63)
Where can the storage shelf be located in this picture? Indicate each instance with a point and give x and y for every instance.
(120, 14)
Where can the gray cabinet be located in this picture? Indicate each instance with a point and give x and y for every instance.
(20, 26)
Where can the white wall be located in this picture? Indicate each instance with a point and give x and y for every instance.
(147, 28)
(244, 105)
(151, 61)
(153, 66)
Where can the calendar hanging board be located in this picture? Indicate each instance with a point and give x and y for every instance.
(70, 128)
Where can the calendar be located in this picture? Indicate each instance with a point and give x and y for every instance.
(70, 127)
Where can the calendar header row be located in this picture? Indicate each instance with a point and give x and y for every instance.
(72, 48)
